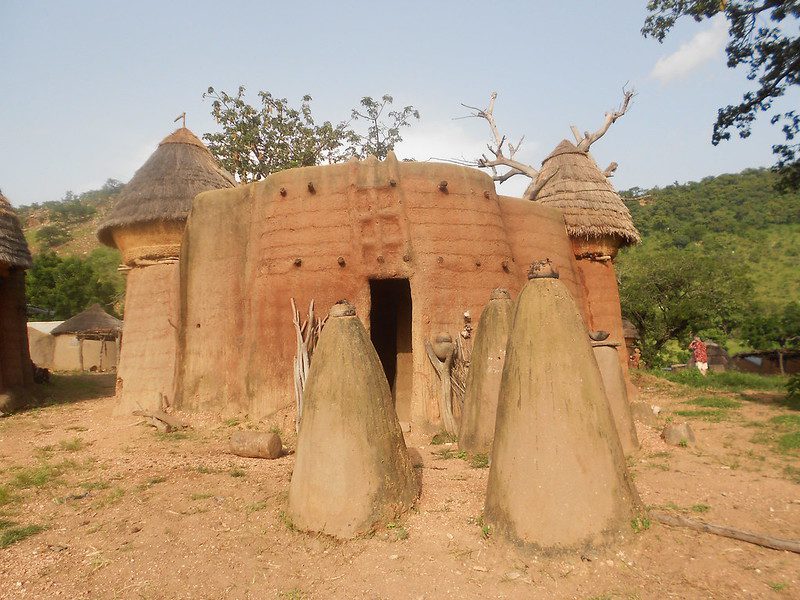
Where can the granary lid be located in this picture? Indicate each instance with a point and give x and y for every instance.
(93, 320)
(572, 181)
(164, 187)
(14, 250)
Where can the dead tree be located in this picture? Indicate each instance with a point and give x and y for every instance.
(307, 335)
(502, 158)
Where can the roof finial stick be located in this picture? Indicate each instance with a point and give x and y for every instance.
(181, 116)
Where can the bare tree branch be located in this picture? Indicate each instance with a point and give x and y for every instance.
(500, 159)
(609, 172)
(611, 118)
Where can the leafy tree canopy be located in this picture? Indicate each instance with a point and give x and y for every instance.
(255, 141)
(66, 286)
(670, 293)
(763, 38)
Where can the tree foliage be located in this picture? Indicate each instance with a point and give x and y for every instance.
(66, 286)
(763, 38)
(50, 236)
(255, 141)
(670, 293)
(768, 328)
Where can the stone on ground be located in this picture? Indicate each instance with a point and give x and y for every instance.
(256, 444)
(678, 434)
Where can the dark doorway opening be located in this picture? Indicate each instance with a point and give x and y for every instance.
(390, 332)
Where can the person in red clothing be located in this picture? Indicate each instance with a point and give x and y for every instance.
(700, 355)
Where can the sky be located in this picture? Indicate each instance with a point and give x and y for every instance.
(90, 88)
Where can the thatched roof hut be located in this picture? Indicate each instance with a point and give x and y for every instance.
(13, 247)
(92, 323)
(572, 181)
(162, 190)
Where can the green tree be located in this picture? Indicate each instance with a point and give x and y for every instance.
(773, 329)
(763, 38)
(669, 293)
(255, 141)
(66, 286)
(50, 236)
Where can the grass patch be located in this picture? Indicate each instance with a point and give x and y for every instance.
(6, 497)
(640, 524)
(237, 472)
(286, 520)
(789, 442)
(479, 461)
(777, 586)
(443, 438)
(712, 415)
(292, 594)
(782, 432)
(175, 436)
(448, 453)
(400, 532)
(731, 381)
(714, 402)
(786, 420)
(38, 476)
(232, 422)
(700, 508)
(74, 445)
(792, 473)
(200, 496)
(12, 535)
(257, 506)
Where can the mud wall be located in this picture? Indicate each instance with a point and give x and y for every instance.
(41, 346)
(15, 361)
(323, 233)
(149, 342)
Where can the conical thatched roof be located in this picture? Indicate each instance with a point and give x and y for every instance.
(164, 187)
(13, 247)
(591, 206)
(93, 321)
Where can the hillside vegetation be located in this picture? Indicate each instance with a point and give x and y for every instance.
(720, 254)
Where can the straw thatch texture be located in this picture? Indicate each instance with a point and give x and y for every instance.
(164, 187)
(591, 207)
(93, 321)
(13, 247)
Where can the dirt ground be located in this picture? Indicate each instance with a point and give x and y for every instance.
(126, 512)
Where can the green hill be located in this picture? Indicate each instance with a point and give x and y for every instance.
(740, 215)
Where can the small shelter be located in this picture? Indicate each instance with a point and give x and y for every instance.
(15, 362)
(89, 341)
(146, 224)
(599, 224)
(767, 362)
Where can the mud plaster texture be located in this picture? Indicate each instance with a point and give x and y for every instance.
(322, 233)
(352, 472)
(617, 394)
(476, 432)
(149, 341)
(558, 478)
(15, 360)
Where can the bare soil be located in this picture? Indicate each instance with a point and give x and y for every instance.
(130, 513)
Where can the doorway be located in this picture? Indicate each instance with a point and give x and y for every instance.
(390, 332)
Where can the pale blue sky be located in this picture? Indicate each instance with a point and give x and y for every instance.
(89, 88)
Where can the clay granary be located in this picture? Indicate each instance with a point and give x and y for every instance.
(146, 225)
(412, 245)
(15, 364)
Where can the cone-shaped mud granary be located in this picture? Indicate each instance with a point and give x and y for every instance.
(599, 224)
(15, 361)
(352, 471)
(146, 225)
(558, 479)
(614, 383)
(486, 369)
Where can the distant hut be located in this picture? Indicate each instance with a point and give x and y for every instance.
(15, 362)
(631, 336)
(146, 225)
(598, 223)
(89, 341)
(718, 359)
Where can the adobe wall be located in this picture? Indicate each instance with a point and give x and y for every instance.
(15, 361)
(147, 355)
(322, 233)
(41, 346)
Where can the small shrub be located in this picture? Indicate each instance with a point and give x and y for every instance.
(400, 532)
(237, 472)
(700, 508)
(200, 496)
(777, 586)
(683, 443)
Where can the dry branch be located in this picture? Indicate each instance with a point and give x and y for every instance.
(729, 532)
(307, 336)
(162, 421)
(584, 142)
